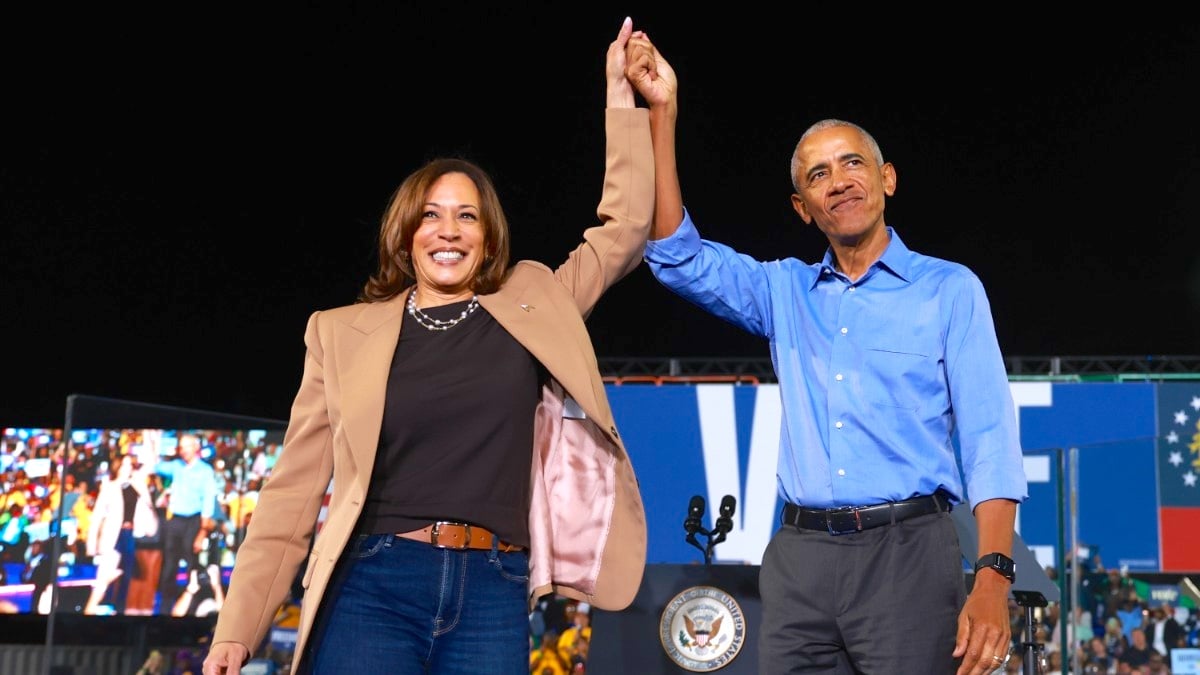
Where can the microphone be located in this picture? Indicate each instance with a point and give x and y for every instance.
(692, 524)
(725, 521)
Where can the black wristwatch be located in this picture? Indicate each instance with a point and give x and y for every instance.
(1000, 563)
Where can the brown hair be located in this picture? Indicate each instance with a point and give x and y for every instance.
(403, 217)
(114, 464)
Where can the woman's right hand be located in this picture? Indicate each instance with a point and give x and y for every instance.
(620, 90)
(225, 658)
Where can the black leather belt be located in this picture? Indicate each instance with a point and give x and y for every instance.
(858, 518)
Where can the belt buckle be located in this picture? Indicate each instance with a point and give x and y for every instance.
(845, 509)
(436, 532)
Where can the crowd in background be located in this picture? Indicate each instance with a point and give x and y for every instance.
(1115, 628)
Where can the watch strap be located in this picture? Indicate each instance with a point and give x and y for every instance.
(998, 562)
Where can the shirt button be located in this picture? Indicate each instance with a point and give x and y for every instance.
(841, 472)
(838, 377)
(838, 425)
(845, 330)
(852, 288)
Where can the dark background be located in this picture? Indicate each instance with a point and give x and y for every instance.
(179, 192)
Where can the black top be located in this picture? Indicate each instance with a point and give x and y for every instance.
(457, 436)
(131, 496)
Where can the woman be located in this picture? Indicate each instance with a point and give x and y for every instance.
(475, 461)
(123, 511)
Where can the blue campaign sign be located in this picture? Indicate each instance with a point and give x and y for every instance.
(709, 440)
(1185, 661)
(714, 440)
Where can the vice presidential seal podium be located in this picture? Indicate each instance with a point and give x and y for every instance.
(685, 618)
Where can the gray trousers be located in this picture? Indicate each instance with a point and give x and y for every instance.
(879, 602)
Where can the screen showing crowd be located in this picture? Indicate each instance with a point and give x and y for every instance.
(126, 521)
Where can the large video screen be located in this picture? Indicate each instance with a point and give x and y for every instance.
(126, 521)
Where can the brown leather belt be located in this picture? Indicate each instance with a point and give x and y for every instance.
(459, 535)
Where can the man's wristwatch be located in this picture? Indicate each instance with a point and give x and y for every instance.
(1000, 563)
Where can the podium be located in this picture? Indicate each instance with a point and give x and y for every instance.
(636, 640)
(632, 640)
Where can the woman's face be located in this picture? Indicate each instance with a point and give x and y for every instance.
(448, 246)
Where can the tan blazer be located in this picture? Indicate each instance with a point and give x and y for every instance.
(108, 514)
(588, 541)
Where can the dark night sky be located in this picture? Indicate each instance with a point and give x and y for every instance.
(180, 192)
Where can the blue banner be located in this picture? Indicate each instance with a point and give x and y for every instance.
(714, 440)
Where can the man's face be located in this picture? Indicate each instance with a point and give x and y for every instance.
(189, 448)
(842, 187)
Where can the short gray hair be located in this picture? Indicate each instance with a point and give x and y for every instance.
(829, 124)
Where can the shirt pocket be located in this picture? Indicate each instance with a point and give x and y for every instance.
(898, 374)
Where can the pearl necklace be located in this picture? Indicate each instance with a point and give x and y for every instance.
(430, 323)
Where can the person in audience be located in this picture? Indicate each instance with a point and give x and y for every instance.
(154, 664)
(1162, 629)
(574, 641)
(546, 658)
(40, 571)
(14, 531)
(1112, 591)
(1098, 659)
(1137, 654)
(1054, 661)
(1114, 637)
(1079, 631)
(203, 595)
(1159, 665)
(1132, 613)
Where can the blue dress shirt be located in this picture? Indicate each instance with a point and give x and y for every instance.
(193, 487)
(876, 376)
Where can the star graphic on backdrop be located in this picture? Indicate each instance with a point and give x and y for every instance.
(1176, 458)
(1172, 437)
(1180, 418)
(1189, 479)
(1195, 403)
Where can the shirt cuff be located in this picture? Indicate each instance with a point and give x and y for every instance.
(681, 246)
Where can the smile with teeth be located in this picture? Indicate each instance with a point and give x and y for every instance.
(448, 256)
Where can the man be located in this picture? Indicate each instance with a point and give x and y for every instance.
(882, 355)
(1138, 653)
(192, 504)
(1164, 630)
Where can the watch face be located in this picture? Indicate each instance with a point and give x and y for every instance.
(999, 562)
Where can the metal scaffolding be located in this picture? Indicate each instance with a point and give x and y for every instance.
(753, 370)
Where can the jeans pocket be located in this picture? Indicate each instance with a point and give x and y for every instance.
(513, 566)
(367, 545)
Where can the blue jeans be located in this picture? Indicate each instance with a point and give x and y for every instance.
(126, 548)
(401, 607)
